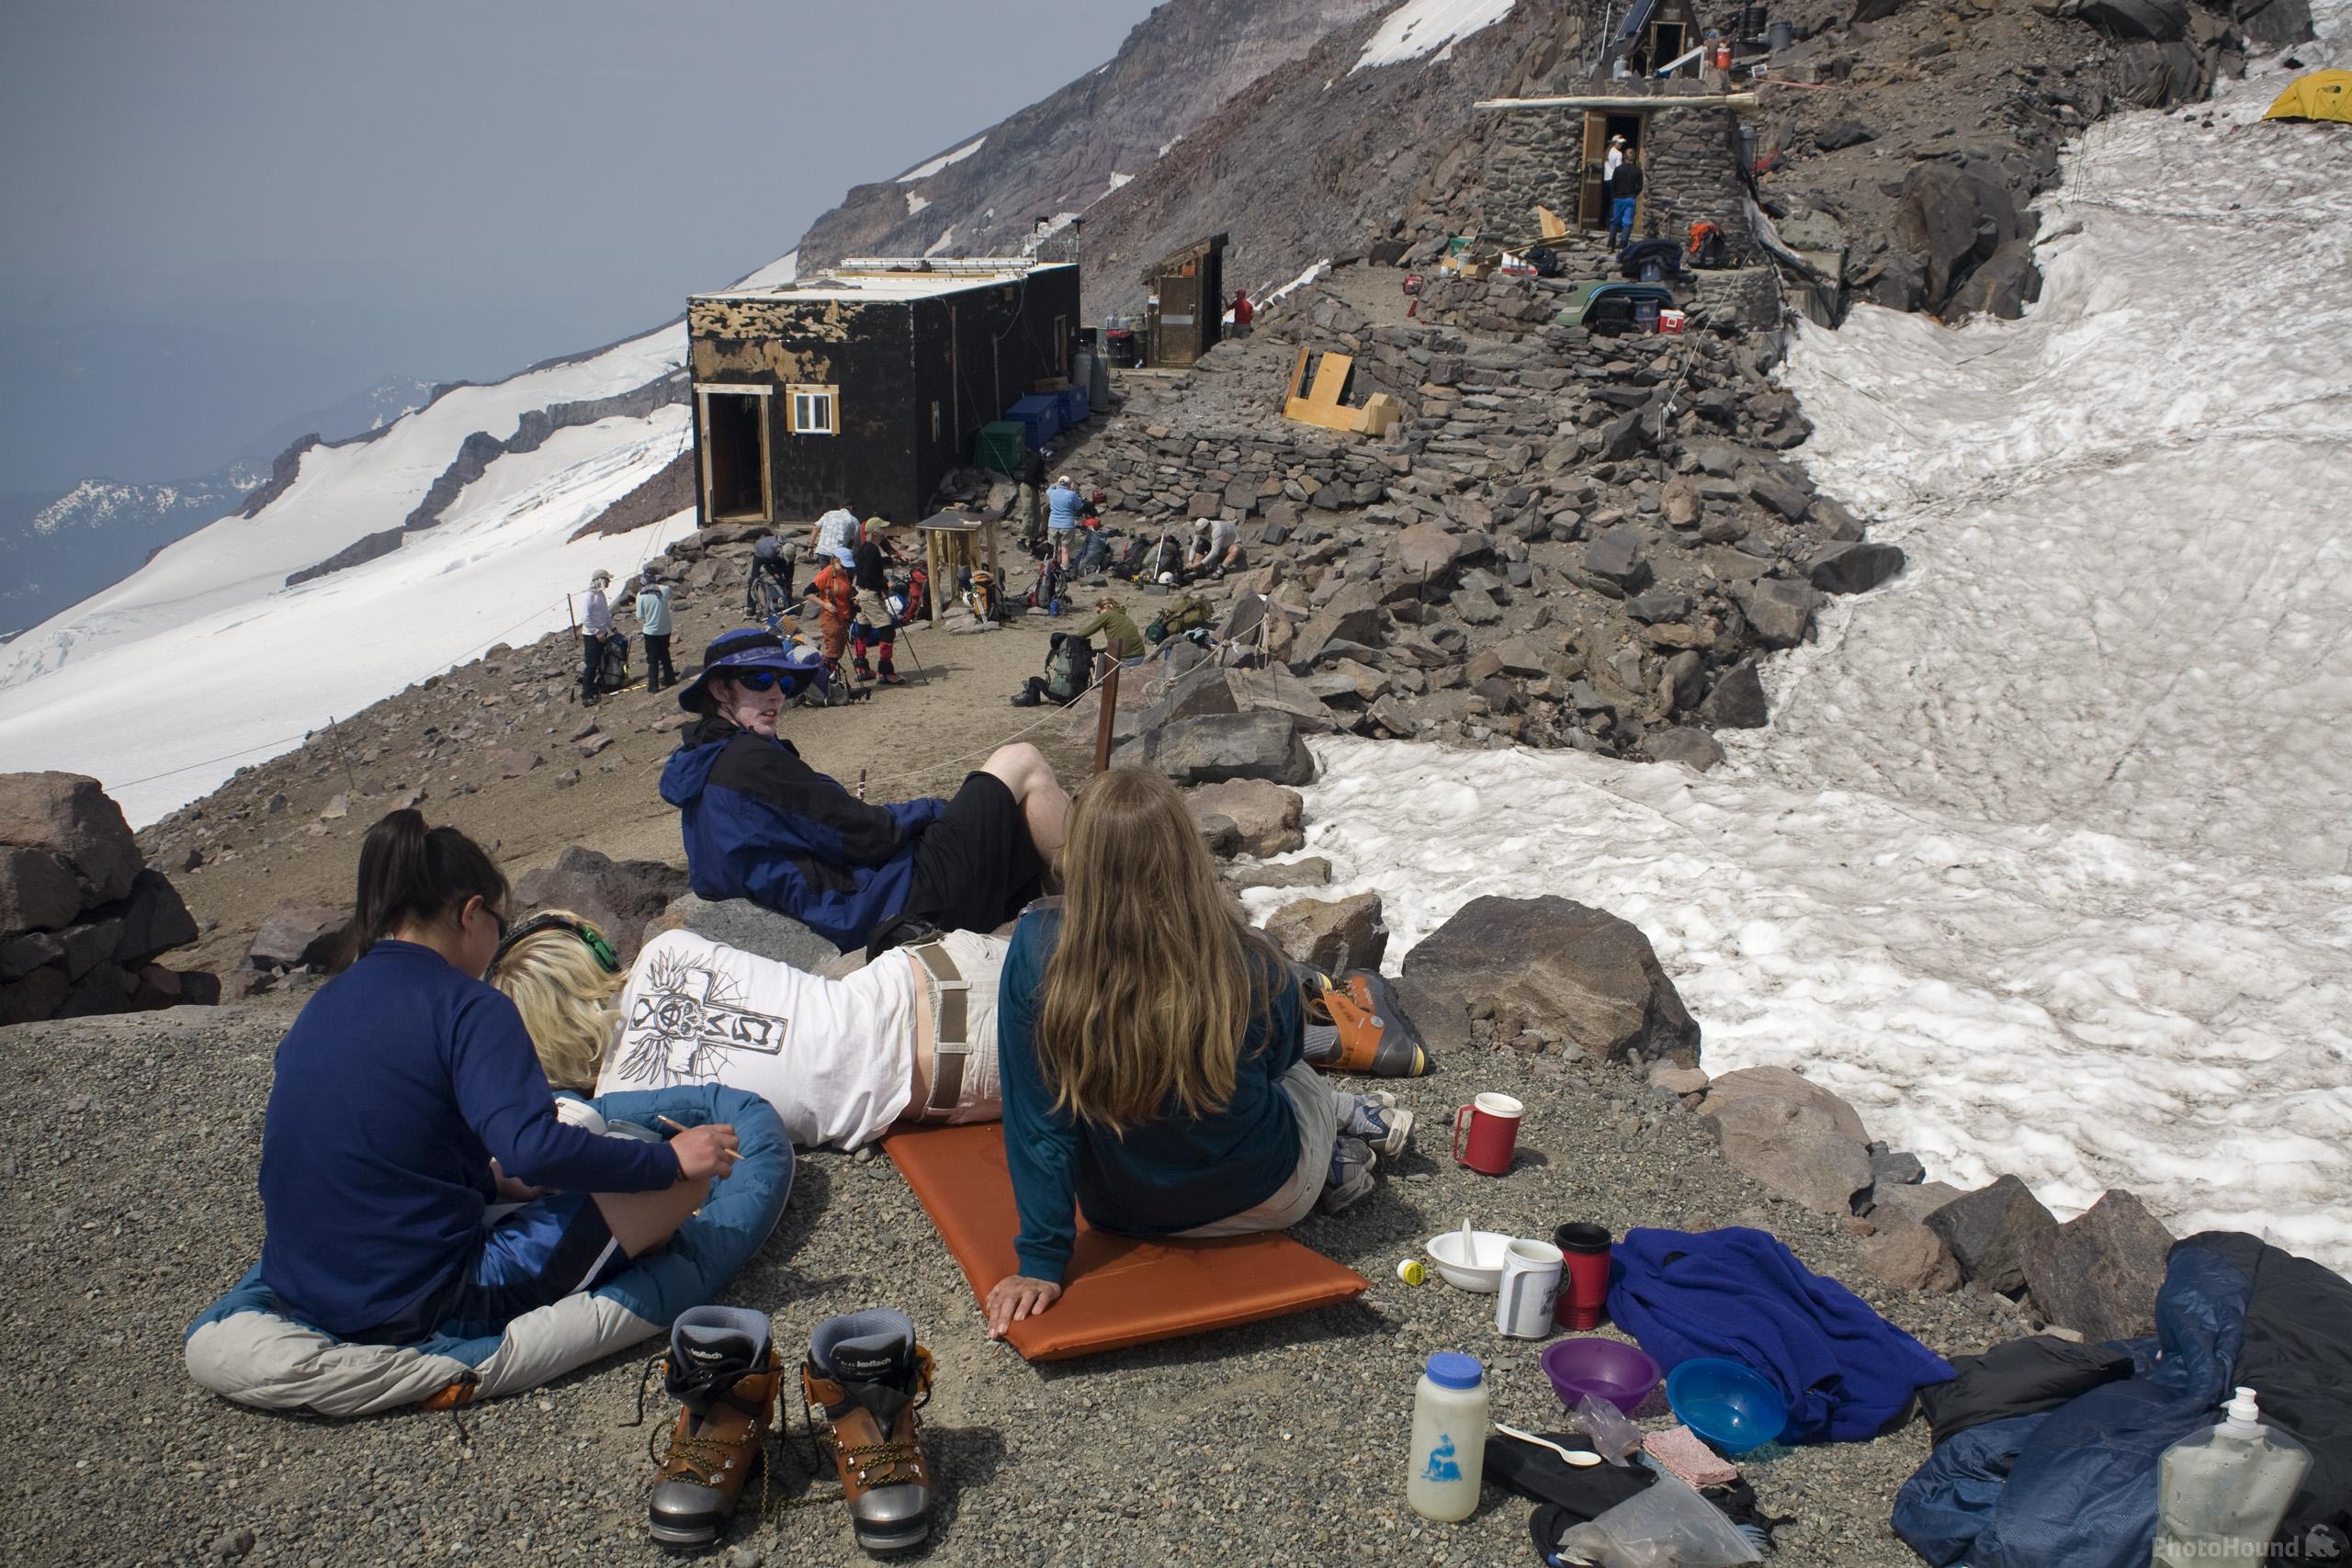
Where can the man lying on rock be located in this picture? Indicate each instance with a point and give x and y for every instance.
(910, 1036)
(762, 824)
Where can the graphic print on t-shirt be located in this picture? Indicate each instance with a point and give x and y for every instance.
(687, 1022)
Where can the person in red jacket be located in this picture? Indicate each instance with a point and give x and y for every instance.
(835, 589)
(1242, 312)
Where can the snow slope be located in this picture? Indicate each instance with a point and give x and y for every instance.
(1419, 26)
(2046, 860)
(202, 660)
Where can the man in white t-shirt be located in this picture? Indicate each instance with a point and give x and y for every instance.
(1216, 546)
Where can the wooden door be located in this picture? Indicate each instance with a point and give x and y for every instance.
(1179, 318)
(1592, 202)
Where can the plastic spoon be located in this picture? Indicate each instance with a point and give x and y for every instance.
(1583, 1458)
(1469, 1248)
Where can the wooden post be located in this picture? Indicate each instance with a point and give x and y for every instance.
(1105, 715)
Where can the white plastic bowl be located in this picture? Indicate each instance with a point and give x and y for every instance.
(1482, 1272)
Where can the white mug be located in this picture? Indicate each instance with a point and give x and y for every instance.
(1531, 1281)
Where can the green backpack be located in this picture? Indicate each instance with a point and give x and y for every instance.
(1183, 615)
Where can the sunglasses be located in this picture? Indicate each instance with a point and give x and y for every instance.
(757, 679)
(598, 948)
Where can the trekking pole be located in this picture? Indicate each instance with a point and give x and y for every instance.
(1103, 719)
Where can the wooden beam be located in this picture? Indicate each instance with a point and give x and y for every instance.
(1624, 105)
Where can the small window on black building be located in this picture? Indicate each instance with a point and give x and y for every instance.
(813, 411)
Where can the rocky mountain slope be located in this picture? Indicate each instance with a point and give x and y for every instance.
(1065, 153)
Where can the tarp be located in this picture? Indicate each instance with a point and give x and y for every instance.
(246, 1348)
(2323, 95)
(2077, 1487)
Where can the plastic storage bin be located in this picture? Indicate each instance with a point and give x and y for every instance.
(1000, 446)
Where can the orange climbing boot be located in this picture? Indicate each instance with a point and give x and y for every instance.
(1355, 1026)
(867, 1374)
(723, 1370)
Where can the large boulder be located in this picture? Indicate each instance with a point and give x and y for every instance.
(1737, 700)
(38, 891)
(2098, 1272)
(616, 896)
(1780, 608)
(1912, 1202)
(2003, 287)
(2163, 20)
(1910, 1256)
(152, 920)
(1854, 568)
(1331, 934)
(1548, 963)
(1352, 616)
(1796, 1137)
(1694, 749)
(1952, 217)
(69, 816)
(739, 923)
(1615, 558)
(1988, 1231)
(1259, 745)
(297, 934)
(1427, 551)
(1265, 815)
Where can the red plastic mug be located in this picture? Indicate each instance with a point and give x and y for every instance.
(1584, 1285)
(1491, 1133)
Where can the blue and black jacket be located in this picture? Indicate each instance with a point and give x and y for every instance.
(761, 824)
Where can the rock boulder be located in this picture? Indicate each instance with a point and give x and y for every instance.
(1332, 934)
(294, 934)
(616, 896)
(739, 923)
(1550, 964)
(1988, 1231)
(2098, 1272)
(69, 816)
(1265, 815)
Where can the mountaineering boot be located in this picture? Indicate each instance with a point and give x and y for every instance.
(1355, 1026)
(867, 1374)
(724, 1370)
(865, 670)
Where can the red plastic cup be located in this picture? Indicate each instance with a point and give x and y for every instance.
(1584, 1283)
(1490, 1135)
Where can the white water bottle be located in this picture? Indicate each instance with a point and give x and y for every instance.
(2225, 1489)
(1449, 1456)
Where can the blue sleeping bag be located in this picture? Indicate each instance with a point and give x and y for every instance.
(2076, 1487)
(245, 1346)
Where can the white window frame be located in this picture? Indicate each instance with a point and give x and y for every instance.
(804, 397)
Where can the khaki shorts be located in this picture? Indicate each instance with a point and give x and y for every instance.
(1315, 1104)
(964, 1083)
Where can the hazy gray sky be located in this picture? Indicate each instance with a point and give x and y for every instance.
(217, 213)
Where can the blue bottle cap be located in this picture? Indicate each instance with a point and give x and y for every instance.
(1451, 1369)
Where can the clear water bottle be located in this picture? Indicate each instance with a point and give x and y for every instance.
(1449, 1456)
(2225, 1489)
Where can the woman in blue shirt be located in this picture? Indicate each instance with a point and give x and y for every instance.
(407, 1099)
(1150, 1053)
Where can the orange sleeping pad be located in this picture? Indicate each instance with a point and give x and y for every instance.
(1118, 1290)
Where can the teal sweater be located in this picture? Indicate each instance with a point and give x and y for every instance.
(1169, 1175)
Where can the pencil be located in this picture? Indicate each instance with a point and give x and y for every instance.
(680, 1127)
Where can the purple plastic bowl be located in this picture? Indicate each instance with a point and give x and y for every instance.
(1604, 1369)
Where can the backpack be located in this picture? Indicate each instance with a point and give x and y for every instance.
(1069, 667)
(612, 665)
(1183, 615)
(1706, 245)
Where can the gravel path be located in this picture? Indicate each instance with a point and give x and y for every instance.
(131, 1160)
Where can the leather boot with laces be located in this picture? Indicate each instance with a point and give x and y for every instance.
(867, 1374)
(724, 1372)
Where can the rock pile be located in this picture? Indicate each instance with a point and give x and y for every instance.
(82, 917)
(1569, 540)
(2094, 1276)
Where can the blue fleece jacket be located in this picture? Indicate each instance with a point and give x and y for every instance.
(761, 824)
(1168, 1175)
(397, 1085)
(1062, 506)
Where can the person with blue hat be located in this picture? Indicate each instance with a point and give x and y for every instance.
(760, 823)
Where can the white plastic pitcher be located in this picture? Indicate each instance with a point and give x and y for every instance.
(2225, 1489)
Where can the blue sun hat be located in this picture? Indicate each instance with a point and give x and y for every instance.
(755, 647)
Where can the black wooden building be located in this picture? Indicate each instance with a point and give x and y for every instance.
(864, 386)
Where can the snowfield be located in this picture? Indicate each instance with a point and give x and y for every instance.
(1419, 26)
(2046, 859)
(203, 661)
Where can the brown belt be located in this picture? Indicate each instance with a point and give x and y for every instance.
(950, 1051)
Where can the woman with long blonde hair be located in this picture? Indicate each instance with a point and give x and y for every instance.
(1151, 1050)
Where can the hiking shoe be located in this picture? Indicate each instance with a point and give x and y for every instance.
(1374, 1034)
(892, 678)
(1380, 1122)
(865, 670)
(723, 1370)
(867, 1374)
(1350, 1175)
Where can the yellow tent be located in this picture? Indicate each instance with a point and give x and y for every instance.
(2323, 95)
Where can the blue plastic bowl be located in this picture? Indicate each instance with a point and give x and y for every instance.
(1724, 1401)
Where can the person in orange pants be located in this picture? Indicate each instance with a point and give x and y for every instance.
(835, 593)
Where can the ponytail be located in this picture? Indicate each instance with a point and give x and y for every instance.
(409, 873)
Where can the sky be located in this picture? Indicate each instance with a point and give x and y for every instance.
(214, 217)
